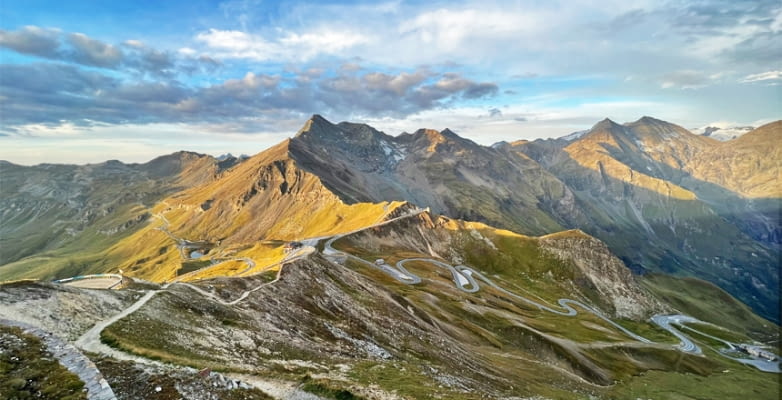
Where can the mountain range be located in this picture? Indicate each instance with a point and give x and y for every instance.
(633, 219)
(663, 199)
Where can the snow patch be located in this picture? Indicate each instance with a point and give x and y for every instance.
(398, 154)
(575, 135)
(386, 147)
(722, 131)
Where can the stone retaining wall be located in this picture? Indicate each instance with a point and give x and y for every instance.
(72, 359)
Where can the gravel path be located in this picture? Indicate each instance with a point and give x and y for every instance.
(90, 340)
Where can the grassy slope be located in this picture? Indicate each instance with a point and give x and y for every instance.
(511, 338)
(84, 254)
(520, 266)
(29, 371)
(709, 303)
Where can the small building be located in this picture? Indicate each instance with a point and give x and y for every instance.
(757, 352)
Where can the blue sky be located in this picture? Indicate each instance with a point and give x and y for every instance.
(86, 81)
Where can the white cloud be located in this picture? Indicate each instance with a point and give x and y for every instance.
(134, 43)
(324, 41)
(763, 76)
(286, 47)
(449, 29)
(689, 79)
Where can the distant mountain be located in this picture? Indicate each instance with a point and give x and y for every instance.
(667, 200)
(723, 132)
(49, 208)
(441, 170)
(643, 187)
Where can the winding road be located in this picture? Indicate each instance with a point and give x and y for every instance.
(90, 340)
(463, 277)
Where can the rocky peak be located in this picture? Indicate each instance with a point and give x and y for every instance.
(362, 133)
(175, 163)
(605, 131)
(648, 128)
(606, 124)
(318, 127)
(351, 138)
(437, 141)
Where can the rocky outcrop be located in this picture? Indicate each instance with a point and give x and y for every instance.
(606, 273)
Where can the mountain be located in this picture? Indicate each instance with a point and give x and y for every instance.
(50, 212)
(347, 263)
(643, 187)
(441, 170)
(667, 200)
(350, 329)
(662, 199)
(268, 197)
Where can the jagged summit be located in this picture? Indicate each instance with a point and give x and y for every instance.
(606, 121)
(607, 125)
(659, 130)
(646, 133)
(604, 131)
(649, 120)
(317, 125)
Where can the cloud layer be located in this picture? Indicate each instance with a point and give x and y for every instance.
(482, 66)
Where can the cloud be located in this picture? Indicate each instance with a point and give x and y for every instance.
(47, 93)
(287, 46)
(78, 48)
(449, 29)
(88, 51)
(257, 68)
(495, 112)
(763, 76)
(762, 48)
(32, 40)
(687, 79)
(134, 43)
(398, 84)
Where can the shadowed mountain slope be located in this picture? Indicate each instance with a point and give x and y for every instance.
(642, 187)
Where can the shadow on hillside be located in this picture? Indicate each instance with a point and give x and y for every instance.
(759, 218)
(737, 249)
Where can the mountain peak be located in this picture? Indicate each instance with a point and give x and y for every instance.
(656, 130)
(449, 133)
(606, 123)
(648, 120)
(316, 125)
(605, 127)
(433, 134)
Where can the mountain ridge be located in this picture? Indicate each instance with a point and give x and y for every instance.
(615, 182)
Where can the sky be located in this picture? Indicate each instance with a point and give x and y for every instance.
(87, 81)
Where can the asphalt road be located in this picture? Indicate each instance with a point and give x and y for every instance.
(463, 277)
